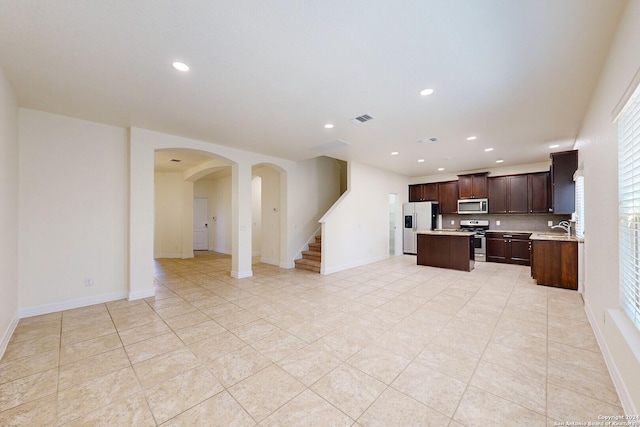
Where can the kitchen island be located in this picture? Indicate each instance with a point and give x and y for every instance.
(446, 249)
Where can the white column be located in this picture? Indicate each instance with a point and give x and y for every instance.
(241, 220)
(141, 210)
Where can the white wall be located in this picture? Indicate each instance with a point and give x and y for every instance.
(73, 212)
(8, 212)
(256, 216)
(314, 186)
(356, 230)
(220, 203)
(597, 142)
(168, 215)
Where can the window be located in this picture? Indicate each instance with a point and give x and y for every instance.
(580, 206)
(629, 206)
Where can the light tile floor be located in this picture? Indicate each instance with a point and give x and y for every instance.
(386, 344)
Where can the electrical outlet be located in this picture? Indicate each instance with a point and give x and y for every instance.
(453, 222)
(497, 222)
(88, 281)
(549, 223)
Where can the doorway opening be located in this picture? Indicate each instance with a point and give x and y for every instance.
(393, 208)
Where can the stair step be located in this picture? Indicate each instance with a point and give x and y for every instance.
(318, 239)
(308, 264)
(315, 247)
(313, 255)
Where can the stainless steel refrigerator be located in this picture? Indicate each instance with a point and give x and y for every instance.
(419, 216)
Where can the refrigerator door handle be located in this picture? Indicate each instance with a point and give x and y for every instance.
(415, 222)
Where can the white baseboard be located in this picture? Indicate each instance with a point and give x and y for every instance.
(353, 264)
(269, 261)
(616, 376)
(221, 251)
(7, 335)
(167, 256)
(70, 304)
(146, 293)
(241, 274)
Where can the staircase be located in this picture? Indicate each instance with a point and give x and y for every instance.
(311, 258)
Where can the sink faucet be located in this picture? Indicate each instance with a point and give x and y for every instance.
(565, 225)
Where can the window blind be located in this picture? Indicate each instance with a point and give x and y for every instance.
(629, 206)
(580, 207)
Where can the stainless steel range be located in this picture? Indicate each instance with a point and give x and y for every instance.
(479, 226)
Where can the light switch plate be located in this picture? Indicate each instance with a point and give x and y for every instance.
(497, 222)
(549, 223)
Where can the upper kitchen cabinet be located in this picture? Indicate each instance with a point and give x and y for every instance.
(423, 192)
(472, 186)
(539, 193)
(563, 165)
(519, 194)
(448, 197)
(508, 194)
(497, 191)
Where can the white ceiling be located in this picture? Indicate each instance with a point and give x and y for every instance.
(267, 75)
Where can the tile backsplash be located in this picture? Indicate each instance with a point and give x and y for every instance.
(511, 222)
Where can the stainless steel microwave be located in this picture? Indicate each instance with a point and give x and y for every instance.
(473, 206)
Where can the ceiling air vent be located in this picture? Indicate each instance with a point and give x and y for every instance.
(363, 118)
(176, 160)
(427, 140)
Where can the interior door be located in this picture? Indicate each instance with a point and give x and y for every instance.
(200, 224)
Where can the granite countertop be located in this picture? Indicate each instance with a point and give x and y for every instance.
(513, 231)
(446, 232)
(554, 236)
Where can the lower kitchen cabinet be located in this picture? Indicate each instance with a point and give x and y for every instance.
(555, 263)
(509, 248)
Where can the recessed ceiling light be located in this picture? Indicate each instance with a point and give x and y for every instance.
(426, 92)
(394, 153)
(328, 126)
(488, 149)
(500, 161)
(440, 169)
(420, 160)
(554, 146)
(471, 138)
(180, 66)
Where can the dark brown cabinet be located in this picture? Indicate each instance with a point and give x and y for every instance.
(555, 263)
(539, 192)
(473, 186)
(446, 251)
(519, 194)
(497, 192)
(448, 197)
(423, 192)
(510, 248)
(563, 165)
